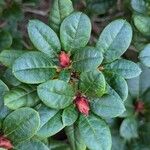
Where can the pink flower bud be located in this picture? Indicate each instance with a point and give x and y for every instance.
(64, 59)
(139, 107)
(82, 104)
(5, 143)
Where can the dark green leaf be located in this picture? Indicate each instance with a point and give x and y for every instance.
(125, 68)
(87, 59)
(33, 67)
(64, 75)
(50, 122)
(92, 83)
(69, 115)
(56, 93)
(43, 38)
(74, 138)
(21, 124)
(7, 57)
(115, 39)
(20, 97)
(60, 10)
(108, 106)
(95, 132)
(31, 145)
(75, 31)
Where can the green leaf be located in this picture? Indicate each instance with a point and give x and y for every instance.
(142, 23)
(108, 106)
(10, 78)
(92, 83)
(119, 84)
(145, 55)
(58, 145)
(94, 132)
(65, 75)
(21, 124)
(31, 145)
(128, 129)
(125, 68)
(4, 111)
(139, 6)
(50, 122)
(115, 39)
(69, 115)
(33, 67)
(60, 10)
(5, 40)
(7, 57)
(20, 97)
(56, 93)
(74, 138)
(75, 31)
(44, 38)
(87, 59)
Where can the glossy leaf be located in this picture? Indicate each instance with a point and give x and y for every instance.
(7, 57)
(60, 10)
(69, 115)
(92, 83)
(20, 97)
(125, 68)
(94, 132)
(75, 31)
(87, 59)
(108, 106)
(21, 124)
(115, 39)
(50, 122)
(33, 68)
(145, 55)
(56, 93)
(43, 38)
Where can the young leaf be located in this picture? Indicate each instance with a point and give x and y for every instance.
(20, 97)
(74, 138)
(33, 67)
(142, 23)
(94, 132)
(75, 31)
(28, 145)
(145, 55)
(87, 59)
(65, 75)
(69, 115)
(125, 68)
(56, 93)
(60, 10)
(108, 106)
(50, 122)
(21, 124)
(43, 38)
(129, 128)
(92, 83)
(7, 57)
(115, 39)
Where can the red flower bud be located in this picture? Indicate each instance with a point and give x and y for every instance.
(5, 143)
(139, 107)
(82, 104)
(64, 59)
